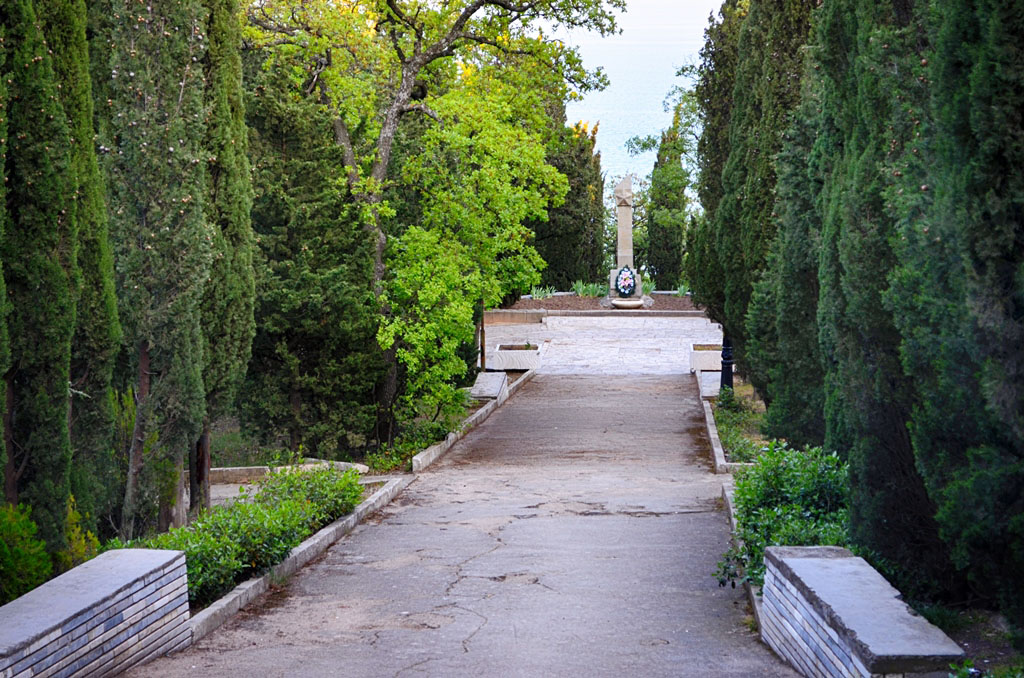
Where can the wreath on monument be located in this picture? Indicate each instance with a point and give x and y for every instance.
(625, 282)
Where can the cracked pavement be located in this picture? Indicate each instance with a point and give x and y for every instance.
(573, 533)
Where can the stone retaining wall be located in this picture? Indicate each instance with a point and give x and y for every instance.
(829, 613)
(102, 617)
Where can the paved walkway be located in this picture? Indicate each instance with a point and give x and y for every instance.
(574, 533)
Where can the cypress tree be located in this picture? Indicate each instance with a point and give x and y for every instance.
(227, 307)
(866, 51)
(5, 349)
(315, 357)
(714, 91)
(97, 331)
(782, 325)
(765, 92)
(958, 295)
(571, 240)
(39, 252)
(155, 159)
(668, 204)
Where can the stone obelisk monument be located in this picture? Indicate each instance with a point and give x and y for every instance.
(624, 215)
(624, 246)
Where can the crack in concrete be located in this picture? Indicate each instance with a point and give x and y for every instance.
(410, 667)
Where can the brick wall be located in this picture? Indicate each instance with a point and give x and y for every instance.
(102, 617)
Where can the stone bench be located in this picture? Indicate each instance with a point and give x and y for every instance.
(829, 613)
(102, 617)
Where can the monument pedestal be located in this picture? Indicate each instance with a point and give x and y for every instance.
(627, 302)
(624, 248)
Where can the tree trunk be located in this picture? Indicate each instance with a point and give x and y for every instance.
(135, 460)
(173, 512)
(199, 472)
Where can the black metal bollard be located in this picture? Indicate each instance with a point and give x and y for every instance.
(726, 363)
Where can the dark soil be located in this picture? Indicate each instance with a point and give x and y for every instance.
(662, 302)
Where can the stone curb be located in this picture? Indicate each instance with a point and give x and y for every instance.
(753, 595)
(721, 465)
(508, 316)
(435, 452)
(219, 612)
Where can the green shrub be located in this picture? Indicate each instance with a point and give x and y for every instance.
(789, 497)
(227, 545)
(411, 442)
(24, 563)
(648, 286)
(682, 290)
(735, 421)
(542, 292)
(583, 289)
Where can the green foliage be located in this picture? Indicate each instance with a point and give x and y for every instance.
(583, 289)
(765, 92)
(229, 294)
(315, 358)
(24, 563)
(714, 91)
(570, 240)
(957, 293)
(414, 439)
(668, 205)
(481, 176)
(227, 545)
(153, 133)
(5, 346)
(736, 423)
(39, 253)
(97, 330)
(541, 292)
(966, 669)
(82, 543)
(789, 497)
(781, 324)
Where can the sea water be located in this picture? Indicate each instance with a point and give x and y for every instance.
(657, 38)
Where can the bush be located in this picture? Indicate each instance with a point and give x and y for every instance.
(24, 563)
(789, 497)
(542, 292)
(418, 437)
(583, 289)
(227, 545)
(735, 420)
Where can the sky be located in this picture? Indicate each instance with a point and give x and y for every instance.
(658, 36)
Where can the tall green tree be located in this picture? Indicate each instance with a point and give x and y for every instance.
(782, 327)
(230, 293)
(714, 91)
(5, 348)
(97, 329)
(39, 252)
(315, 358)
(155, 157)
(765, 92)
(669, 208)
(374, 64)
(867, 52)
(570, 240)
(958, 292)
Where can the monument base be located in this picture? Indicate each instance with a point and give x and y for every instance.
(627, 302)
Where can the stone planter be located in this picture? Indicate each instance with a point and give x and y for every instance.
(704, 359)
(519, 357)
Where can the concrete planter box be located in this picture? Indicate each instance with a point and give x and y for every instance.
(519, 357)
(705, 360)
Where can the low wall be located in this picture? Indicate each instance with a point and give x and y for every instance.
(100, 618)
(829, 613)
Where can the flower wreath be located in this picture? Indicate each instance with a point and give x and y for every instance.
(625, 281)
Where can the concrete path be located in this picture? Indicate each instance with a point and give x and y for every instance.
(574, 533)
